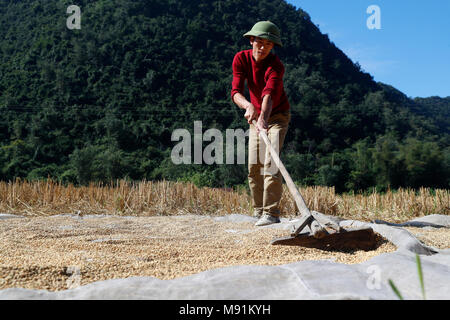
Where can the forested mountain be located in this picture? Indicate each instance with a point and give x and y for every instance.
(437, 109)
(101, 103)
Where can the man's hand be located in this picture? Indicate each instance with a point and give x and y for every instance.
(261, 125)
(266, 109)
(250, 113)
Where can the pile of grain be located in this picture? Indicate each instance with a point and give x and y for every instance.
(58, 252)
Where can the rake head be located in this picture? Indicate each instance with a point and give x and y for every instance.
(344, 239)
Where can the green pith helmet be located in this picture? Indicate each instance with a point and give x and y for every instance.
(265, 30)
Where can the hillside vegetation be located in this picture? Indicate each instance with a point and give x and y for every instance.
(101, 103)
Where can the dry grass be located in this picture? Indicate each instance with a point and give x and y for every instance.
(149, 198)
(145, 198)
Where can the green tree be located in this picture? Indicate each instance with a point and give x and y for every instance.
(424, 164)
(362, 167)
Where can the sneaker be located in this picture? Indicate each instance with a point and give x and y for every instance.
(257, 214)
(267, 219)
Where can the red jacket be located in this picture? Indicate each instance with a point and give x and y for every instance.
(265, 77)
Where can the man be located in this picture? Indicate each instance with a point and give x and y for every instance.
(269, 106)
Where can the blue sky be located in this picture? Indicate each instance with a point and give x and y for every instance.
(411, 51)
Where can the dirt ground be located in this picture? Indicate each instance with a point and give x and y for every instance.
(60, 252)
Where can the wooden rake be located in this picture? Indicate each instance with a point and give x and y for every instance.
(324, 233)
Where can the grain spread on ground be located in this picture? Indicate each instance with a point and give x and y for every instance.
(55, 252)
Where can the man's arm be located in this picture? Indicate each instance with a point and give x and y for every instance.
(243, 103)
(237, 96)
(272, 90)
(266, 109)
(251, 114)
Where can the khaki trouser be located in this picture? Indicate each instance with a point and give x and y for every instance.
(265, 180)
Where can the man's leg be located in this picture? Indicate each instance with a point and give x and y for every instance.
(255, 177)
(273, 180)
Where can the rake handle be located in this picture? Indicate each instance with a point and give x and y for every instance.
(307, 218)
(290, 184)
